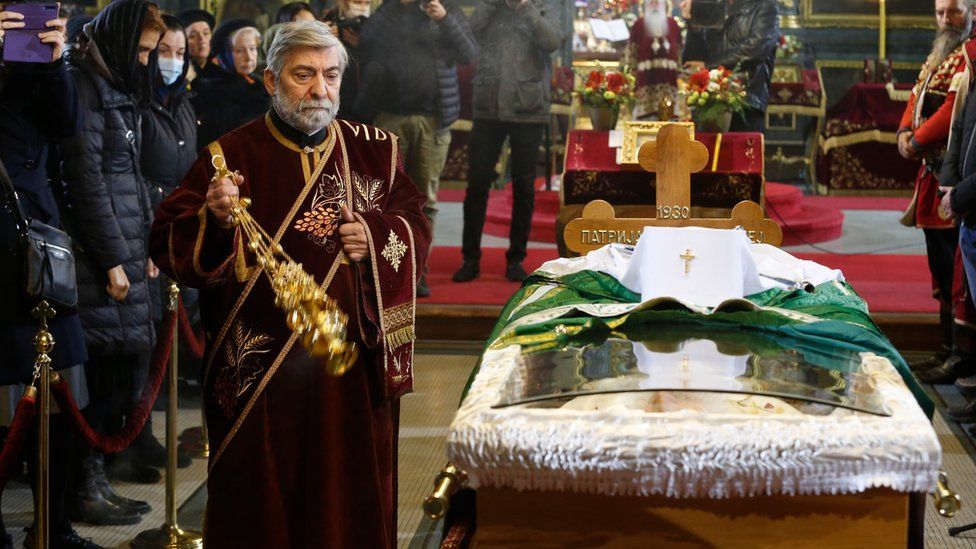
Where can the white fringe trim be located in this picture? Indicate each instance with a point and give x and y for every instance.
(692, 454)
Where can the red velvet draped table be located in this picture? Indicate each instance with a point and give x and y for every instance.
(858, 152)
(592, 173)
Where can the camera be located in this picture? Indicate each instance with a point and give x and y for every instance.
(354, 24)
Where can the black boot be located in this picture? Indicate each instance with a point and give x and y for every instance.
(955, 367)
(151, 452)
(962, 414)
(126, 467)
(68, 539)
(931, 361)
(469, 271)
(423, 290)
(966, 385)
(109, 493)
(515, 272)
(90, 504)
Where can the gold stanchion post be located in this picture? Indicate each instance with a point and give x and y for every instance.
(203, 429)
(43, 344)
(170, 535)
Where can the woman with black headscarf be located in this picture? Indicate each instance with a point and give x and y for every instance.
(236, 95)
(109, 217)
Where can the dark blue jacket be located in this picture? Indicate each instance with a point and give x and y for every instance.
(38, 104)
(410, 61)
(959, 162)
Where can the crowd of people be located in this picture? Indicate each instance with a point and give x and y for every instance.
(95, 138)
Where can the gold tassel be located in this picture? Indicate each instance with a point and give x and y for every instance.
(398, 338)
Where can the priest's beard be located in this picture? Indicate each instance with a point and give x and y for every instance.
(656, 21)
(947, 40)
(306, 115)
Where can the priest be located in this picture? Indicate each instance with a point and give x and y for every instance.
(299, 458)
(654, 54)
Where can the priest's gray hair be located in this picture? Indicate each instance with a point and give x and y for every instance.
(303, 34)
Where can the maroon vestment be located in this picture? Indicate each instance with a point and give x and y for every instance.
(299, 458)
(656, 63)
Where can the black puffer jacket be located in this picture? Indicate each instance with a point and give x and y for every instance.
(410, 61)
(512, 82)
(747, 40)
(169, 143)
(109, 210)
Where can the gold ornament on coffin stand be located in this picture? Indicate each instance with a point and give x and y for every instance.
(309, 312)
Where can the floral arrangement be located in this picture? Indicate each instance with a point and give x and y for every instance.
(712, 93)
(789, 48)
(607, 89)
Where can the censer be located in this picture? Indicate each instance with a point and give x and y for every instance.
(309, 312)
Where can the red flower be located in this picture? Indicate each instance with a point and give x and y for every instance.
(699, 80)
(595, 79)
(615, 82)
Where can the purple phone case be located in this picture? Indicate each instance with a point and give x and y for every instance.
(23, 44)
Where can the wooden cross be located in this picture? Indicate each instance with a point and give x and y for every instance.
(687, 257)
(674, 156)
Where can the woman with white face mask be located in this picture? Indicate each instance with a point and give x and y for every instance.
(169, 148)
(169, 128)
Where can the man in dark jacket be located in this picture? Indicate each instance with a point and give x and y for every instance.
(511, 99)
(957, 180)
(38, 104)
(746, 43)
(110, 218)
(410, 52)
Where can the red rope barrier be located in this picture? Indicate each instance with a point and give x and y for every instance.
(137, 419)
(193, 341)
(15, 437)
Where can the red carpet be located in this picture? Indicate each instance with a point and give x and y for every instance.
(492, 288)
(803, 222)
(499, 216)
(889, 283)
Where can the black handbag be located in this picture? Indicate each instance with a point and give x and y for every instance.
(49, 270)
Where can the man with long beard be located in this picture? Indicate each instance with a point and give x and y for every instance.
(300, 458)
(923, 134)
(654, 54)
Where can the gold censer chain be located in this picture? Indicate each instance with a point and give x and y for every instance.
(309, 312)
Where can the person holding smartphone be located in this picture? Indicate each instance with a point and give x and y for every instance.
(410, 50)
(511, 98)
(38, 104)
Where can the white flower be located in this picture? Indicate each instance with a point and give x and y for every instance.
(713, 87)
(714, 74)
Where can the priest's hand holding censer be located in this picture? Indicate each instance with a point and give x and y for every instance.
(310, 313)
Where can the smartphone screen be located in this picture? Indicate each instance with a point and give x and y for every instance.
(24, 45)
